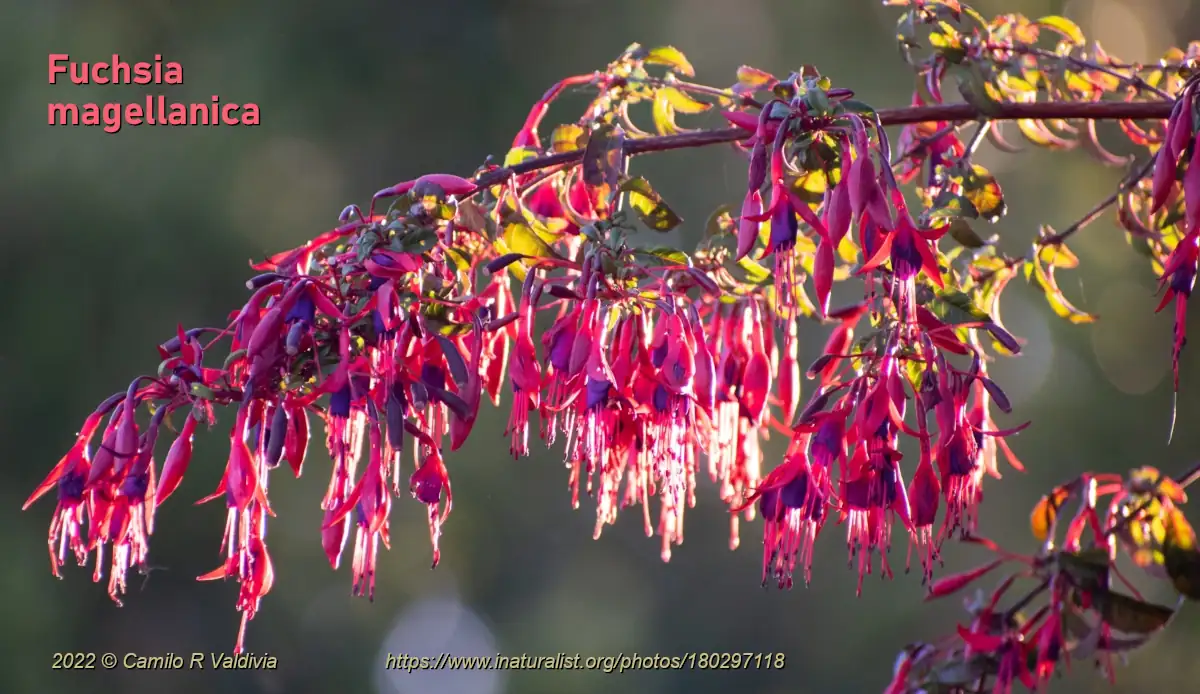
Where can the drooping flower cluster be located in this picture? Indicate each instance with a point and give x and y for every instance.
(650, 365)
(1082, 617)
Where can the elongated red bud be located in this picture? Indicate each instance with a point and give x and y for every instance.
(241, 474)
(176, 463)
(441, 185)
(295, 447)
(581, 349)
(323, 303)
(952, 584)
(741, 119)
(838, 213)
(748, 228)
(1191, 190)
(270, 326)
(105, 459)
(861, 183)
(823, 275)
(1165, 169)
(333, 537)
(704, 385)
(924, 493)
(1166, 163)
(978, 642)
(758, 166)
(756, 386)
(392, 191)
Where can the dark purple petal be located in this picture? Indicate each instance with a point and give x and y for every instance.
(597, 392)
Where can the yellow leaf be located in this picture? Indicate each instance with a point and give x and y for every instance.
(519, 238)
(1058, 255)
(520, 154)
(1066, 28)
(671, 57)
(1149, 480)
(682, 103)
(1045, 511)
(847, 250)
(567, 138)
(1063, 308)
(649, 205)
(664, 115)
(753, 78)
(755, 273)
(981, 188)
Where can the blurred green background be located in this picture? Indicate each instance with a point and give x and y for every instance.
(110, 240)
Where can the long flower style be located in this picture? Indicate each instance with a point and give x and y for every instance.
(653, 366)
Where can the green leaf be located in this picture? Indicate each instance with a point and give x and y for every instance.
(972, 85)
(649, 205)
(818, 101)
(1130, 615)
(1183, 566)
(955, 307)
(960, 230)
(948, 205)
(668, 256)
(855, 106)
(419, 240)
(1181, 558)
(1088, 569)
(1064, 27)
(671, 57)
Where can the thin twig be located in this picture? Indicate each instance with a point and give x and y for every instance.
(1029, 597)
(977, 139)
(1094, 214)
(1134, 79)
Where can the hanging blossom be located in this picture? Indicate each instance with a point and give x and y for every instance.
(650, 366)
(844, 459)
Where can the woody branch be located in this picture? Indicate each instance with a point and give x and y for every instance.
(995, 111)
